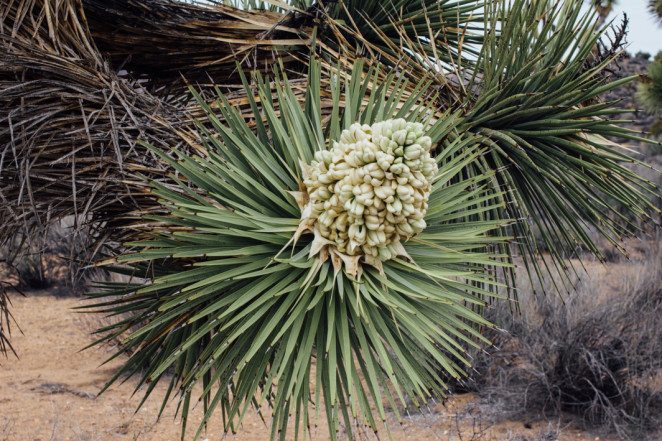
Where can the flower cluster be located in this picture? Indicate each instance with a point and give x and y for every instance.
(371, 189)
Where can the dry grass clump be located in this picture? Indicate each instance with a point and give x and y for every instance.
(597, 355)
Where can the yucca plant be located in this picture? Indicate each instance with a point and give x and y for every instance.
(368, 307)
(604, 8)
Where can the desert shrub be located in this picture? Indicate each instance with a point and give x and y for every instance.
(30, 269)
(643, 55)
(597, 354)
(57, 259)
(23, 265)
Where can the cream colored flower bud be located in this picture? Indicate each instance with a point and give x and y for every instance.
(384, 254)
(361, 199)
(385, 161)
(353, 160)
(404, 229)
(325, 179)
(387, 129)
(372, 238)
(418, 225)
(416, 183)
(397, 169)
(413, 151)
(377, 173)
(416, 215)
(347, 137)
(384, 191)
(368, 156)
(325, 219)
(322, 193)
(385, 144)
(360, 235)
(398, 124)
(400, 137)
(413, 165)
(348, 204)
(341, 221)
(372, 220)
(397, 206)
(404, 191)
(425, 142)
(353, 229)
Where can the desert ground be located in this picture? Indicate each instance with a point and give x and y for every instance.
(50, 393)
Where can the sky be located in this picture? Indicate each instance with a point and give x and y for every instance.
(645, 34)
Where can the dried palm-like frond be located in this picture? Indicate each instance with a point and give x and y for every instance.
(168, 44)
(69, 126)
(429, 39)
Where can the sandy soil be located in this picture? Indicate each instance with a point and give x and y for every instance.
(50, 393)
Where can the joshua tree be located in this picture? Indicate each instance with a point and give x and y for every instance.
(315, 199)
(604, 8)
(650, 87)
(655, 7)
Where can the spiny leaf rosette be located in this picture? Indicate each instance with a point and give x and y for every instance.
(375, 306)
(369, 192)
